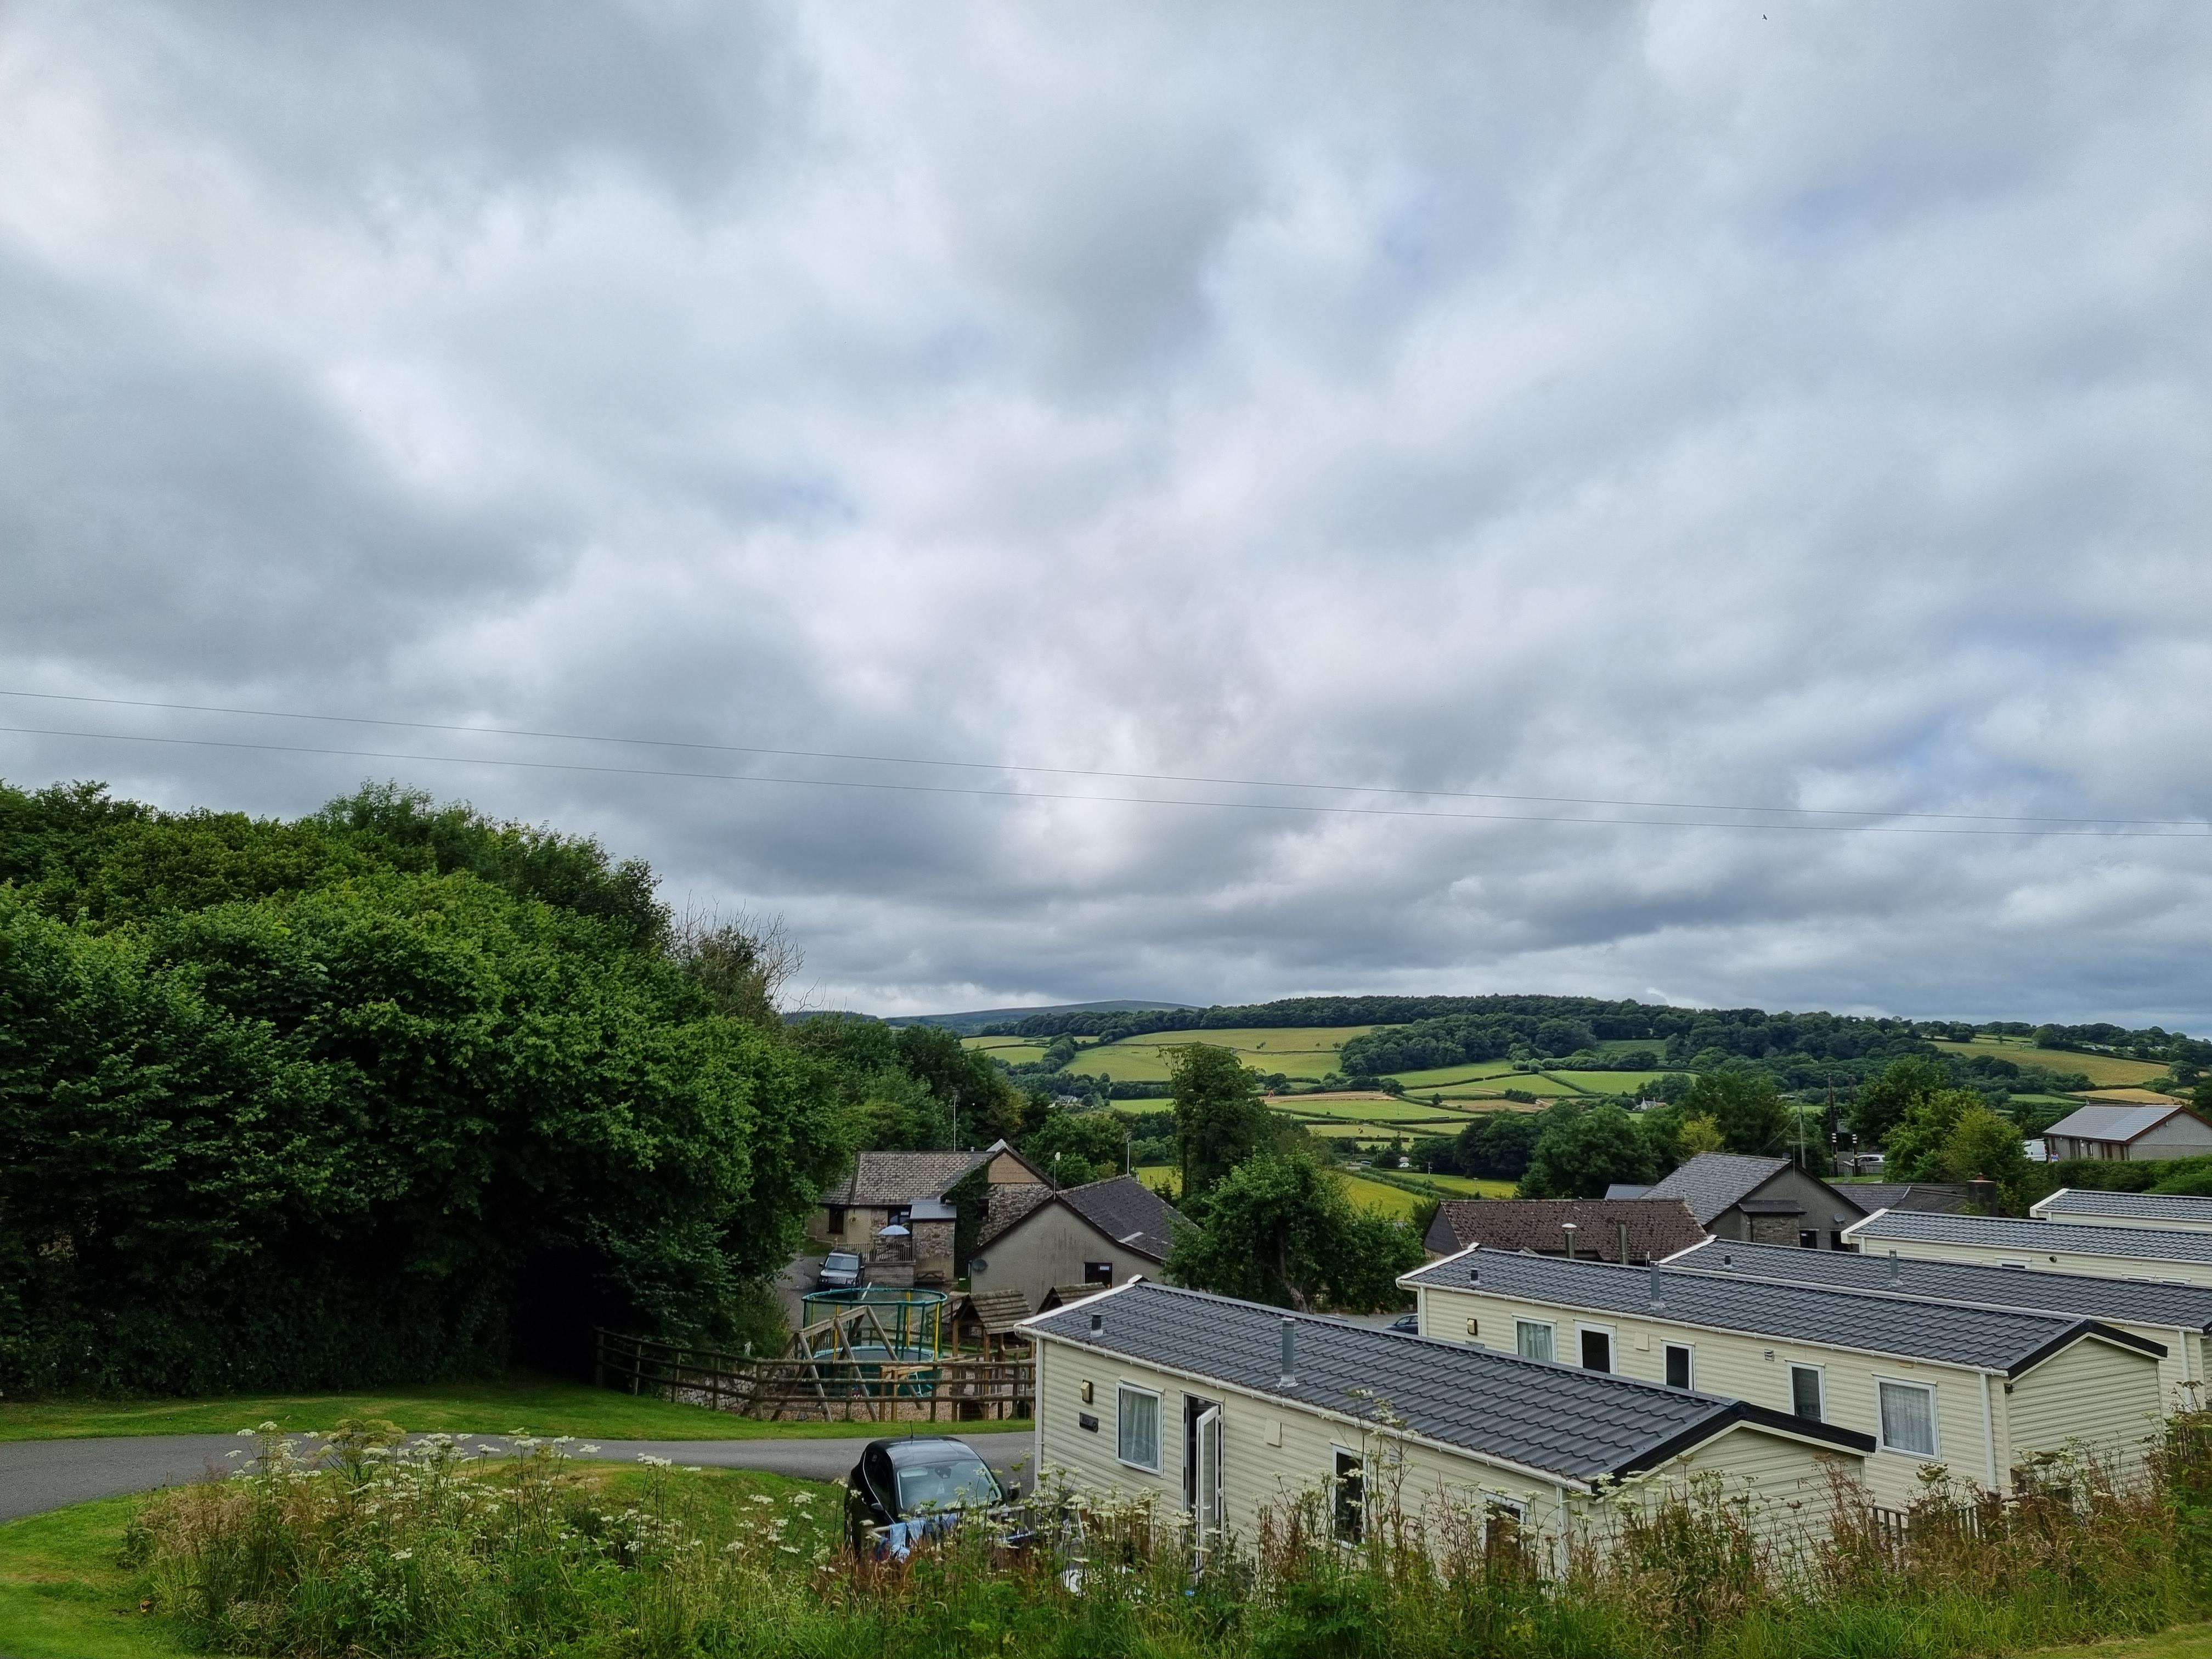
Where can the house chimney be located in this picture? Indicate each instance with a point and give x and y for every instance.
(1289, 1379)
(1657, 1301)
(1568, 1228)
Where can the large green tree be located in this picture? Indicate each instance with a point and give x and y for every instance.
(1280, 1229)
(1745, 1106)
(1883, 1103)
(1582, 1151)
(323, 1113)
(1221, 1117)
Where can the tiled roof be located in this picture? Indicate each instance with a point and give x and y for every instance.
(1007, 1203)
(1127, 1211)
(2111, 1122)
(1657, 1226)
(2077, 1295)
(1712, 1182)
(1997, 1340)
(1872, 1195)
(996, 1311)
(1059, 1296)
(2062, 1238)
(2124, 1206)
(1573, 1423)
(894, 1178)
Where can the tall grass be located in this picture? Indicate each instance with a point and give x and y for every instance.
(374, 1546)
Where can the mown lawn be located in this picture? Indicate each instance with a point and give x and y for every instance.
(542, 1406)
(1299, 1052)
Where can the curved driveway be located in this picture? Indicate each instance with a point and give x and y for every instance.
(44, 1474)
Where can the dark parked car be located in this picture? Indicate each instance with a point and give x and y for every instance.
(1410, 1323)
(841, 1271)
(903, 1488)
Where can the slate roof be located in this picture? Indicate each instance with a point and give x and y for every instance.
(1627, 1189)
(1712, 1182)
(1570, 1423)
(1127, 1211)
(1987, 1338)
(2124, 1208)
(896, 1178)
(2078, 1295)
(1872, 1195)
(2120, 1123)
(1657, 1226)
(1007, 1204)
(2032, 1237)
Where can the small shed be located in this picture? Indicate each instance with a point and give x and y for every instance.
(1062, 1296)
(990, 1319)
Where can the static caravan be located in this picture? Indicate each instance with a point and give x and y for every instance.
(2151, 1210)
(1978, 1390)
(2068, 1246)
(1220, 1409)
(2176, 1316)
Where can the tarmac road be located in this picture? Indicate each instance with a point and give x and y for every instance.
(46, 1474)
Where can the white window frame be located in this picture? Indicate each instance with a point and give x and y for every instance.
(1819, 1377)
(1935, 1418)
(1690, 1349)
(1550, 1325)
(1123, 1391)
(1612, 1336)
(1496, 1504)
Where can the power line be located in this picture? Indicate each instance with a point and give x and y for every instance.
(1123, 800)
(1079, 772)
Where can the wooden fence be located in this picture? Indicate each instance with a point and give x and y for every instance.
(819, 1386)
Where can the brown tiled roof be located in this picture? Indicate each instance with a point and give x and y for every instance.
(997, 1311)
(1007, 1203)
(1657, 1226)
(894, 1178)
(1060, 1294)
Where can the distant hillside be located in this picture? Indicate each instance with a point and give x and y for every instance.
(969, 1024)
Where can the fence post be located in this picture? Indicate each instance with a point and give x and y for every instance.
(599, 1357)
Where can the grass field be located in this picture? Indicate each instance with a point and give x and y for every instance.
(1015, 1051)
(1297, 1051)
(63, 1596)
(2103, 1071)
(542, 1406)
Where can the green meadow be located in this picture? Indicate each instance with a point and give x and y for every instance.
(2103, 1071)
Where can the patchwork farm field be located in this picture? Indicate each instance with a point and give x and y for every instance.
(1297, 1051)
(2103, 1071)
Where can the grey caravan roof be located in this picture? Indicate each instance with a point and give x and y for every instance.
(1987, 1338)
(2049, 1237)
(1569, 1423)
(2124, 1208)
(1935, 1280)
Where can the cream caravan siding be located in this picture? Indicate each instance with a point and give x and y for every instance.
(2093, 1395)
(2060, 1262)
(1270, 1451)
(1737, 1366)
(1273, 1451)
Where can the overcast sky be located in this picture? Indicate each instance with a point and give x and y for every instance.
(1736, 405)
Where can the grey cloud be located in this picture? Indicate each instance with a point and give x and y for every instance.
(1675, 403)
